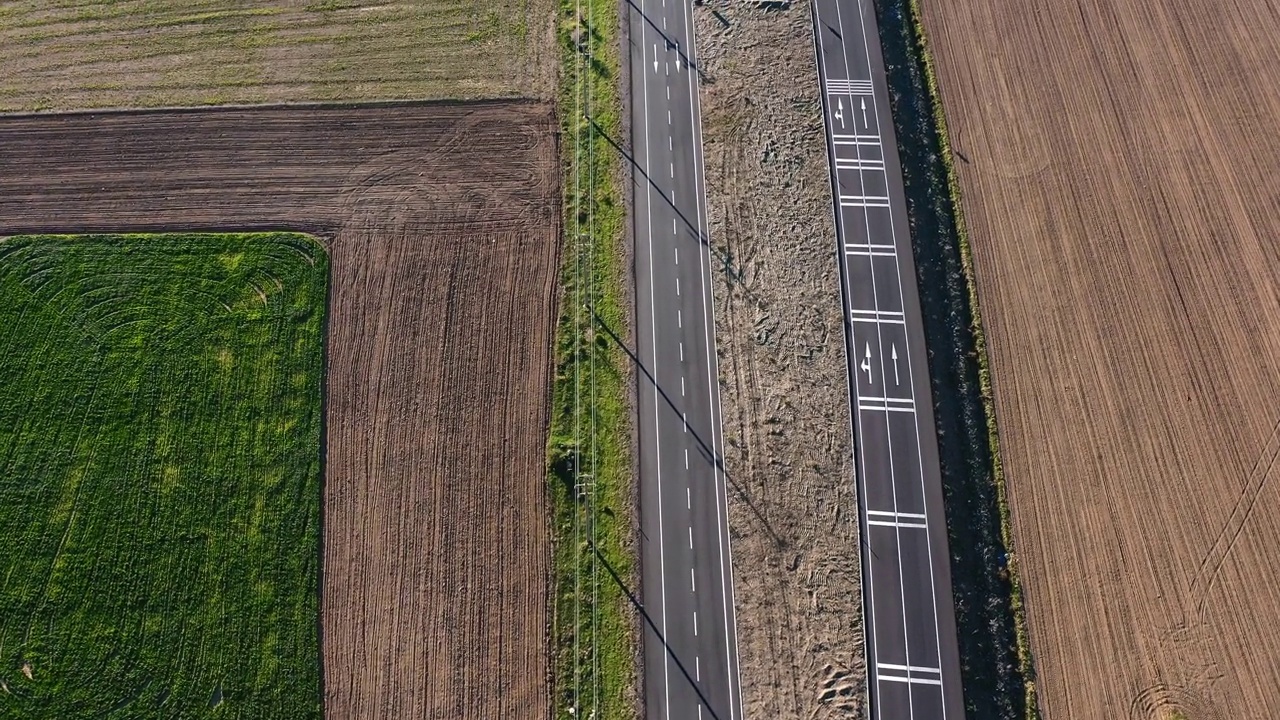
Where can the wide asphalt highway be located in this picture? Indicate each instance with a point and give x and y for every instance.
(913, 667)
(690, 644)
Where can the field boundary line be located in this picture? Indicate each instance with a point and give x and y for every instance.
(1026, 665)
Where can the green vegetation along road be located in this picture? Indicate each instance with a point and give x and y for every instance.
(160, 475)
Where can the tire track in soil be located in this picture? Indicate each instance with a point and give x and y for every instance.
(442, 225)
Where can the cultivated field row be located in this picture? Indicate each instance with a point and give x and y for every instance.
(441, 223)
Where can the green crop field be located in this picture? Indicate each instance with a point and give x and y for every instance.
(160, 476)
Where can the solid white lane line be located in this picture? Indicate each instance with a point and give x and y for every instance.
(856, 428)
(653, 325)
(732, 666)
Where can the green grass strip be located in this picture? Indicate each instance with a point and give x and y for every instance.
(160, 475)
(1026, 666)
(589, 449)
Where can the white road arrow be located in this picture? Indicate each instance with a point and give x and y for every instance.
(864, 113)
(655, 57)
(893, 353)
(840, 111)
(866, 365)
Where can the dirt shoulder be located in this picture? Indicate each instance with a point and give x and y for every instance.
(792, 507)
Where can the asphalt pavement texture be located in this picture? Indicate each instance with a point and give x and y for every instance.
(690, 643)
(913, 666)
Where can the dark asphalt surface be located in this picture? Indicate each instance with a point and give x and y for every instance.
(913, 666)
(690, 646)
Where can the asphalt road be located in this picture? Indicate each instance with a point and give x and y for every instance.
(913, 666)
(690, 644)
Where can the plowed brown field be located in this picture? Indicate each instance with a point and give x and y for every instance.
(442, 226)
(1119, 169)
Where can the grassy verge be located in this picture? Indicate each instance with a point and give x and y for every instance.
(589, 454)
(160, 421)
(1026, 666)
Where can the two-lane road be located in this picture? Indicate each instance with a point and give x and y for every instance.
(690, 645)
(913, 667)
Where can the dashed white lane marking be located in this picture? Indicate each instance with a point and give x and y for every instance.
(695, 623)
(668, 117)
(668, 97)
(681, 386)
(671, 168)
(699, 712)
(686, 458)
(680, 318)
(898, 524)
(678, 289)
(697, 667)
(669, 147)
(909, 680)
(909, 668)
(682, 351)
(664, 22)
(695, 614)
(688, 496)
(893, 514)
(673, 232)
(685, 417)
(693, 582)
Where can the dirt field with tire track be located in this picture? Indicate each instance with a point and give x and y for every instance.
(1118, 168)
(792, 506)
(442, 226)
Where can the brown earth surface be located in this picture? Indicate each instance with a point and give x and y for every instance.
(442, 224)
(785, 402)
(1119, 175)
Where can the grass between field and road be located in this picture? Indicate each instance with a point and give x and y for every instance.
(590, 443)
(1026, 669)
(160, 429)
